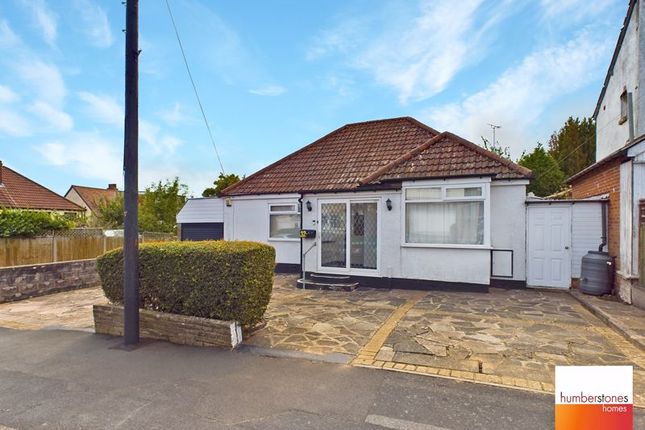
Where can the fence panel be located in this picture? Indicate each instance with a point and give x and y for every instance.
(75, 244)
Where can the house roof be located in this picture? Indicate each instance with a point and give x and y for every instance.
(368, 154)
(19, 192)
(614, 58)
(93, 196)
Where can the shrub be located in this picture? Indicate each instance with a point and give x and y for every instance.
(26, 223)
(226, 280)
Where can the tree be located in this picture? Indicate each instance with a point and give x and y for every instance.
(222, 182)
(159, 205)
(574, 145)
(110, 212)
(496, 148)
(547, 176)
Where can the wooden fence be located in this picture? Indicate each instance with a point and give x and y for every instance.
(75, 244)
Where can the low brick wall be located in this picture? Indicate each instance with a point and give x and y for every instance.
(180, 329)
(22, 282)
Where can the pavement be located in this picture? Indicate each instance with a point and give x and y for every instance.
(628, 320)
(511, 338)
(69, 379)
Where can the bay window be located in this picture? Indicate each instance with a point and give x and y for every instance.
(284, 221)
(444, 215)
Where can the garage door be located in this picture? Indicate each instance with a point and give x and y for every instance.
(549, 246)
(202, 231)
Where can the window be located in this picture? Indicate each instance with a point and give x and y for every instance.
(284, 221)
(623, 107)
(447, 215)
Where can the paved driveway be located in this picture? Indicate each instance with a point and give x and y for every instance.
(504, 337)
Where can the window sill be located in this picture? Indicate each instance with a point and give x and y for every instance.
(281, 239)
(445, 246)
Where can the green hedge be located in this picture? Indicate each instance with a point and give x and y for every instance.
(28, 223)
(217, 279)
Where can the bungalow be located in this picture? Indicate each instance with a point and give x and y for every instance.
(387, 201)
(19, 192)
(90, 197)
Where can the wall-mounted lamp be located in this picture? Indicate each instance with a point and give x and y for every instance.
(388, 204)
(308, 205)
(228, 202)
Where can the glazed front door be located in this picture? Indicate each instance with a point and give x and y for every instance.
(349, 235)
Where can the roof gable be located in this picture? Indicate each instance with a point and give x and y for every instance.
(367, 153)
(19, 192)
(93, 196)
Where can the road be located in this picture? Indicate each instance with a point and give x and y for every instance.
(69, 379)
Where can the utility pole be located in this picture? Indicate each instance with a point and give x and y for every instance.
(494, 127)
(131, 177)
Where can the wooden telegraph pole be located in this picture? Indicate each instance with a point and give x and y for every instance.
(131, 177)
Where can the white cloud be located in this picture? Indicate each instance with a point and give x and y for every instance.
(44, 79)
(268, 90)
(7, 37)
(44, 19)
(57, 119)
(7, 95)
(87, 154)
(519, 97)
(574, 9)
(96, 23)
(175, 115)
(419, 53)
(160, 144)
(103, 108)
(13, 124)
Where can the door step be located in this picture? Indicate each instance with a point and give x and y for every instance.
(328, 277)
(327, 284)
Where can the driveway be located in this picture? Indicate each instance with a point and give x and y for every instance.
(504, 337)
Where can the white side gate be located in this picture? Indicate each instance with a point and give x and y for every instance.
(558, 234)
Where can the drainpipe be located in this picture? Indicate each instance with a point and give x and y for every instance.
(603, 238)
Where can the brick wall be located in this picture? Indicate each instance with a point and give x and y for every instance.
(604, 180)
(180, 329)
(21, 282)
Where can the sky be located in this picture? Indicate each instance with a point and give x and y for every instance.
(276, 75)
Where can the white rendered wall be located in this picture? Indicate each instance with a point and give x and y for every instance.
(610, 135)
(508, 222)
(248, 219)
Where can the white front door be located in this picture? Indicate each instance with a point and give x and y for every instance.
(549, 246)
(348, 237)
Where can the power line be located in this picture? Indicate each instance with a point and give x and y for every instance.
(192, 81)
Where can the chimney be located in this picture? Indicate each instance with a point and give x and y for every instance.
(111, 187)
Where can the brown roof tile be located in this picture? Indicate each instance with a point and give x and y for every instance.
(374, 151)
(19, 192)
(93, 196)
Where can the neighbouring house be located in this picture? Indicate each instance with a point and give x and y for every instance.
(389, 200)
(619, 172)
(90, 197)
(19, 192)
(201, 219)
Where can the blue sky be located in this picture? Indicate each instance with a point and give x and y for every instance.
(276, 75)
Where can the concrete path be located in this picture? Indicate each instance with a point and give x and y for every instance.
(65, 379)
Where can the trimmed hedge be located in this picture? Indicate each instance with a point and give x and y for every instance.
(225, 280)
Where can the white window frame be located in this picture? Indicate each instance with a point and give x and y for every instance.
(485, 197)
(294, 211)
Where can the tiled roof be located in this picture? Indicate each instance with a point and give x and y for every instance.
(93, 196)
(450, 155)
(367, 153)
(20, 192)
